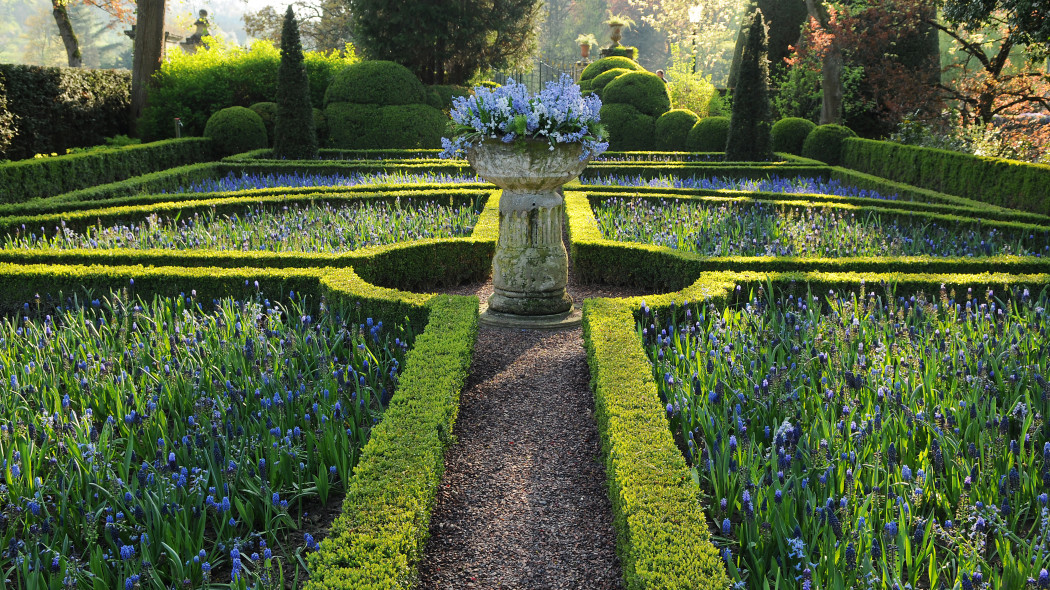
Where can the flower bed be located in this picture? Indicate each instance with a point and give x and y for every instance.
(857, 440)
(755, 228)
(769, 184)
(300, 227)
(151, 443)
(294, 179)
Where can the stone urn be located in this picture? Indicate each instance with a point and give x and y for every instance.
(531, 267)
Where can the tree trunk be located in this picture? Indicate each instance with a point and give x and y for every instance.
(65, 30)
(149, 45)
(831, 68)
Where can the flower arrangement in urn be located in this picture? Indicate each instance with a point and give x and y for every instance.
(528, 145)
(558, 114)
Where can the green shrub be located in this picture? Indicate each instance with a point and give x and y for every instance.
(608, 63)
(599, 82)
(629, 129)
(50, 110)
(378, 83)
(630, 53)
(825, 143)
(999, 182)
(365, 126)
(321, 127)
(709, 135)
(234, 130)
(295, 137)
(267, 111)
(751, 119)
(642, 90)
(789, 134)
(193, 87)
(672, 129)
(440, 96)
(45, 177)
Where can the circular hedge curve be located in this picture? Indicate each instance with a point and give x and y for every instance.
(825, 143)
(608, 63)
(710, 134)
(672, 129)
(789, 134)
(629, 129)
(376, 82)
(642, 90)
(236, 130)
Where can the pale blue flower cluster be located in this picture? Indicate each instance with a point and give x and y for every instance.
(559, 114)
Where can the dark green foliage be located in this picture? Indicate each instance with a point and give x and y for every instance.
(362, 126)
(789, 134)
(446, 42)
(234, 130)
(376, 82)
(44, 177)
(7, 120)
(825, 143)
(1005, 183)
(268, 112)
(784, 18)
(749, 125)
(629, 129)
(642, 90)
(607, 63)
(295, 137)
(440, 96)
(196, 90)
(321, 126)
(53, 109)
(672, 129)
(598, 83)
(708, 135)
(630, 53)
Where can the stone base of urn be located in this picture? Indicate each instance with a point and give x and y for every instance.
(530, 267)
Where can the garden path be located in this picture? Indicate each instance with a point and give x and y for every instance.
(524, 502)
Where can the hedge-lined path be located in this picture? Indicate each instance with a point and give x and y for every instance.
(524, 502)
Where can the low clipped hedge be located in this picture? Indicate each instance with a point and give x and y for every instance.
(608, 63)
(673, 127)
(629, 129)
(710, 134)
(45, 177)
(1005, 183)
(642, 90)
(662, 535)
(825, 143)
(789, 134)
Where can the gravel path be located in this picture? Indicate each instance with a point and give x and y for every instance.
(524, 502)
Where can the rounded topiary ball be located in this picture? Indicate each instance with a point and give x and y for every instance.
(629, 129)
(377, 83)
(825, 143)
(268, 112)
(709, 135)
(235, 130)
(370, 127)
(608, 63)
(599, 82)
(672, 129)
(789, 134)
(642, 90)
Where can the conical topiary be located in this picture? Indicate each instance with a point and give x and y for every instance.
(294, 136)
(749, 138)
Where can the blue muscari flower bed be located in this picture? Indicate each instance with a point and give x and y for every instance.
(859, 441)
(772, 184)
(240, 182)
(770, 229)
(180, 443)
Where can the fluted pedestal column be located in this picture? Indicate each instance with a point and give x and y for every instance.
(530, 267)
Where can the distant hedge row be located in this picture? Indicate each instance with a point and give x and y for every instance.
(1006, 183)
(49, 110)
(44, 177)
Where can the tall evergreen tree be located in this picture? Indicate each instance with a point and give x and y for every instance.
(749, 125)
(294, 135)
